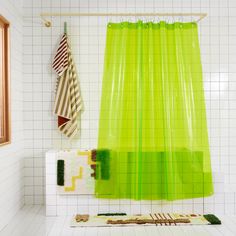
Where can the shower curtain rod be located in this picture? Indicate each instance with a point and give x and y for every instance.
(47, 23)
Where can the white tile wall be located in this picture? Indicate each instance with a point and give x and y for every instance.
(218, 47)
(11, 156)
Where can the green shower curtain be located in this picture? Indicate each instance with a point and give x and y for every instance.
(152, 114)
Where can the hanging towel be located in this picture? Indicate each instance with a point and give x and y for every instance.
(68, 102)
(60, 62)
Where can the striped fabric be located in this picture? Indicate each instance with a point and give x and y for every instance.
(60, 62)
(68, 102)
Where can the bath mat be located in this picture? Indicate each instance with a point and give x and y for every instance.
(158, 219)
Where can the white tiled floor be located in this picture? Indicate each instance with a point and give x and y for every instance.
(31, 221)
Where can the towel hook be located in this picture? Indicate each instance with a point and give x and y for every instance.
(65, 27)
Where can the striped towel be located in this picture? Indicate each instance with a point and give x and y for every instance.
(60, 62)
(68, 102)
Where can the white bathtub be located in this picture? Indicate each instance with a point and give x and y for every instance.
(56, 204)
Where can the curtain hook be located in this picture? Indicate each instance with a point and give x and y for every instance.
(109, 19)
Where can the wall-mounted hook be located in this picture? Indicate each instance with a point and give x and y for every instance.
(46, 22)
(65, 27)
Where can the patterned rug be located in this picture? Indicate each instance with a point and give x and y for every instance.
(158, 219)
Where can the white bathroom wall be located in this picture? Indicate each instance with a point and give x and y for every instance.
(87, 35)
(11, 156)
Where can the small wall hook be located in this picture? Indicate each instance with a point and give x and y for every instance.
(65, 27)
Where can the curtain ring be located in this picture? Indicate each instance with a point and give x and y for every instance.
(153, 20)
(109, 19)
(167, 19)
